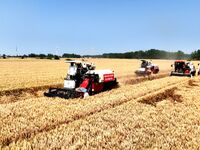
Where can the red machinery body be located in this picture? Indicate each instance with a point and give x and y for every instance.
(108, 77)
(97, 80)
(182, 68)
(85, 83)
(97, 87)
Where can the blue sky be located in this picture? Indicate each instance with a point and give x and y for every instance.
(98, 26)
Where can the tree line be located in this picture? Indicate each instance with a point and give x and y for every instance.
(148, 54)
(141, 54)
(43, 56)
(195, 55)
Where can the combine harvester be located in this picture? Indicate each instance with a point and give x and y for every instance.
(198, 71)
(83, 80)
(147, 68)
(183, 68)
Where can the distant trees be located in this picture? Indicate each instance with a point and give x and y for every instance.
(50, 56)
(4, 56)
(141, 54)
(32, 55)
(180, 55)
(42, 56)
(24, 56)
(196, 55)
(66, 55)
(56, 57)
(149, 54)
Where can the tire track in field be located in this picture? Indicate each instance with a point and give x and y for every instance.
(81, 114)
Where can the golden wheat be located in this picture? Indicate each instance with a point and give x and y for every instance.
(132, 125)
(143, 115)
(36, 115)
(28, 73)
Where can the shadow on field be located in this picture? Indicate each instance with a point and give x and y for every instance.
(192, 83)
(169, 93)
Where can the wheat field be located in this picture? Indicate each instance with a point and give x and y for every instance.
(16, 73)
(160, 112)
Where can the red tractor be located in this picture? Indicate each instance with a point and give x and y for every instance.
(183, 68)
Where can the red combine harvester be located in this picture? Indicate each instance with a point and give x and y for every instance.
(82, 80)
(147, 68)
(183, 68)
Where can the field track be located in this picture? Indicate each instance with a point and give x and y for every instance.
(46, 114)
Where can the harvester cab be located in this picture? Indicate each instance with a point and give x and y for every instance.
(147, 68)
(183, 68)
(75, 74)
(83, 80)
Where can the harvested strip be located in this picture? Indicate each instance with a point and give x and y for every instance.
(132, 125)
(142, 79)
(45, 114)
(157, 97)
(9, 96)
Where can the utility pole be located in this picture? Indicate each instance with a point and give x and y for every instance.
(16, 51)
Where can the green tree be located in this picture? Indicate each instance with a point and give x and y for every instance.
(50, 56)
(196, 55)
(4, 56)
(56, 57)
(42, 56)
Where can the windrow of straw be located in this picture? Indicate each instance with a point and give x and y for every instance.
(136, 80)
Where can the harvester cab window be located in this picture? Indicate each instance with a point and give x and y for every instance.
(72, 69)
(180, 66)
(144, 64)
(187, 66)
(79, 68)
(149, 63)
